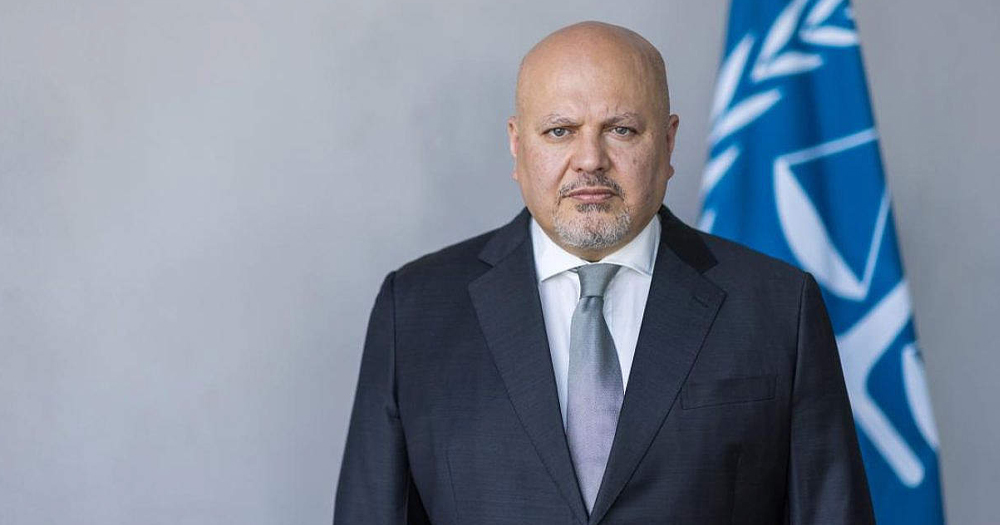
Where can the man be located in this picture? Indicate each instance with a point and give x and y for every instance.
(596, 360)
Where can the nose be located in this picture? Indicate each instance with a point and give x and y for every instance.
(590, 155)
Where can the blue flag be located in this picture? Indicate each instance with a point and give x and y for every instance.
(795, 172)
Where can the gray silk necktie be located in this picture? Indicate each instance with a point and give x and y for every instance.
(595, 382)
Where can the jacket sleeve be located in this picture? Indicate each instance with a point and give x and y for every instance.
(375, 486)
(826, 477)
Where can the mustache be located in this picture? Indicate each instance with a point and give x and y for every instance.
(591, 180)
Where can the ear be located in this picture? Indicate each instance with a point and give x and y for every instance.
(512, 136)
(671, 139)
(673, 121)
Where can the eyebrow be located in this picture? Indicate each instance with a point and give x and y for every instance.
(624, 118)
(556, 120)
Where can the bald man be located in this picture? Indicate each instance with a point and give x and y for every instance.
(595, 360)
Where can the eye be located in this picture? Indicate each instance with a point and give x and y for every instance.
(557, 132)
(622, 131)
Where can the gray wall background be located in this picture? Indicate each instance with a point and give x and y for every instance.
(199, 198)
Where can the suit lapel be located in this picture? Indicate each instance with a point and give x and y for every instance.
(507, 304)
(680, 309)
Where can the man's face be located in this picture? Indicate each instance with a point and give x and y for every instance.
(592, 145)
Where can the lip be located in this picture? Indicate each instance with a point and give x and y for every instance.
(591, 194)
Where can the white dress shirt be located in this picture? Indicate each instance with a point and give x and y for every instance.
(624, 299)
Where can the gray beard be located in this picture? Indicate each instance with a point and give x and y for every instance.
(593, 230)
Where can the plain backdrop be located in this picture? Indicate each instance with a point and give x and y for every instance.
(199, 198)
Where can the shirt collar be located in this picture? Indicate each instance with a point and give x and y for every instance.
(638, 255)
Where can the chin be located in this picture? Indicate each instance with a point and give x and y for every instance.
(592, 225)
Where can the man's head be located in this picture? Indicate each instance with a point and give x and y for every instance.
(592, 136)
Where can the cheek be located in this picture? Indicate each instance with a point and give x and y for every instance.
(640, 172)
(542, 167)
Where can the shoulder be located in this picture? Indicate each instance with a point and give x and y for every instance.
(461, 253)
(764, 295)
(464, 261)
(751, 277)
(735, 257)
(445, 273)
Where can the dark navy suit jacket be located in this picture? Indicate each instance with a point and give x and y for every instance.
(735, 410)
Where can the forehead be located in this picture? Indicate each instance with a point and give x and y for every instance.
(588, 83)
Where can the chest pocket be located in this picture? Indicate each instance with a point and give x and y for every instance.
(727, 391)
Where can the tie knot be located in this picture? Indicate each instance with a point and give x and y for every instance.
(594, 278)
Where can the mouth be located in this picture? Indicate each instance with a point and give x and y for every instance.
(592, 194)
